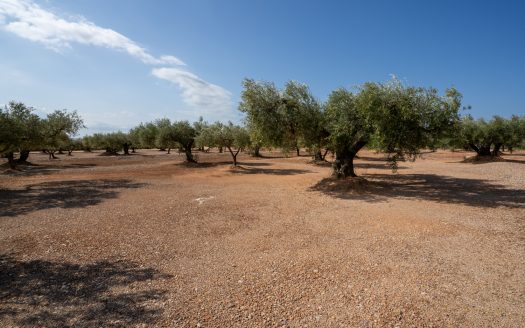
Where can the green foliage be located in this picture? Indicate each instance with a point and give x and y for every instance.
(234, 138)
(397, 119)
(209, 136)
(112, 142)
(57, 129)
(144, 135)
(261, 102)
(487, 138)
(516, 127)
(165, 138)
(288, 118)
(184, 134)
(20, 128)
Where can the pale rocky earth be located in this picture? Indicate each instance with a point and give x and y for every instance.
(146, 241)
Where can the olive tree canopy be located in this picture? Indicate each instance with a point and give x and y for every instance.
(288, 119)
(400, 119)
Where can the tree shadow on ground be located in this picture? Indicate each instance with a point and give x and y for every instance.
(508, 160)
(42, 169)
(62, 194)
(257, 163)
(488, 159)
(430, 187)
(255, 170)
(202, 165)
(40, 293)
(377, 166)
(374, 159)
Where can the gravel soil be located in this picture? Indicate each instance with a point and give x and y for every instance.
(148, 241)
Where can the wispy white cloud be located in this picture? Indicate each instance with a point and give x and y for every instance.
(196, 91)
(30, 21)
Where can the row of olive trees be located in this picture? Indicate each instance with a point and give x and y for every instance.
(21, 131)
(166, 135)
(391, 117)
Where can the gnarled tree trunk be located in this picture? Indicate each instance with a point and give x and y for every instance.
(256, 151)
(187, 151)
(11, 160)
(325, 153)
(318, 156)
(496, 150)
(482, 150)
(24, 155)
(344, 161)
(125, 146)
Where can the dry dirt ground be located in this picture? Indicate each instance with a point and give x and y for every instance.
(145, 240)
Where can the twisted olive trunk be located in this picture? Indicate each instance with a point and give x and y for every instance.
(24, 155)
(344, 160)
(11, 160)
(482, 150)
(125, 146)
(318, 156)
(187, 151)
(256, 151)
(496, 151)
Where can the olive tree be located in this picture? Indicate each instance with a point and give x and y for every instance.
(57, 129)
(234, 138)
(20, 131)
(209, 136)
(286, 118)
(144, 135)
(308, 118)
(261, 102)
(256, 139)
(399, 119)
(184, 134)
(165, 135)
(112, 142)
(488, 138)
(516, 127)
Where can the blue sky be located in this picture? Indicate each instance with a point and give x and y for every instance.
(122, 62)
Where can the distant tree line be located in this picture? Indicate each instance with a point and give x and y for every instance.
(166, 135)
(391, 117)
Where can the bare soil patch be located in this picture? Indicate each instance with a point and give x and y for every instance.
(146, 240)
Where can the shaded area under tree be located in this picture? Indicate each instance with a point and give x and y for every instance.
(62, 194)
(430, 187)
(40, 293)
